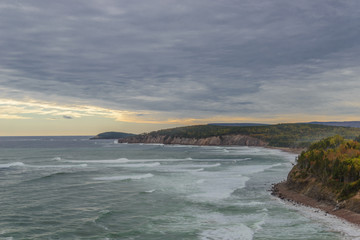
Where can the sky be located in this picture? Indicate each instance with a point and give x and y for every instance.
(81, 67)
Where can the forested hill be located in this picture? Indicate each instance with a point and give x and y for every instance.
(280, 135)
(329, 170)
(340, 124)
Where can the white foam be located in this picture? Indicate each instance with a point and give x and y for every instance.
(125, 160)
(125, 177)
(349, 230)
(150, 191)
(199, 165)
(238, 232)
(154, 144)
(13, 164)
(219, 185)
(200, 181)
(250, 204)
(216, 186)
(258, 225)
(251, 169)
(57, 159)
(57, 166)
(184, 168)
(120, 160)
(140, 165)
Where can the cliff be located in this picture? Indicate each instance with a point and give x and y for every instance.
(322, 192)
(227, 140)
(279, 135)
(329, 172)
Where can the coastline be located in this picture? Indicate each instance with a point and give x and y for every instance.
(211, 142)
(288, 149)
(281, 191)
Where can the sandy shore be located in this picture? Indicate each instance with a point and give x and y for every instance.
(283, 192)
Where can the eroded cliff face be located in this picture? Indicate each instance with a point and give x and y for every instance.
(225, 140)
(313, 188)
(309, 186)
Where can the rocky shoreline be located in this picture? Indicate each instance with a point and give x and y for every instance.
(225, 140)
(282, 191)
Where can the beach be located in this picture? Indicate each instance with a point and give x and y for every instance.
(283, 192)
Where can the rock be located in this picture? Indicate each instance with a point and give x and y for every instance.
(225, 140)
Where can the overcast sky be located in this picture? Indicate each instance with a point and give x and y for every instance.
(148, 64)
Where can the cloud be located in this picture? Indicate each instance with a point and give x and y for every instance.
(173, 60)
(11, 116)
(67, 117)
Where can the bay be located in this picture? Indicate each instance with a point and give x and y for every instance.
(75, 188)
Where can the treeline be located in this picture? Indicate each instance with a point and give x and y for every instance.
(335, 162)
(280, 135)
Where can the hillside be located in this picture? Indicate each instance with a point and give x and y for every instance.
(355, 124)
(329, 171)
(280, 135)
(238, 124)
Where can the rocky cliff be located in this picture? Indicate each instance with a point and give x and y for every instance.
(329, 171)
(323, 193)
(224, 140)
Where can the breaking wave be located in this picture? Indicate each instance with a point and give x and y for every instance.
(13, 164)
(122, 178)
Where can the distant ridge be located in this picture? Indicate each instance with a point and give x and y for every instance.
(112, 135)
(238, 124)
(293, 135)
(355, 124)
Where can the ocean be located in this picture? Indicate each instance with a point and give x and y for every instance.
(76, 188)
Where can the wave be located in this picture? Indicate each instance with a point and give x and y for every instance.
(155, 164)
(13, 164)
(200, 181)
(199, 165)
(217, 186)
(349, 230)
(59, 173)
(54, 175)
(121, 178)
(125, 160)
(57, 166)
(150, 191)
(120, 160)
(251, 169)
(240, 231)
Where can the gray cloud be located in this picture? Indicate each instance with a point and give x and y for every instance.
(184, 58)
(67, 117)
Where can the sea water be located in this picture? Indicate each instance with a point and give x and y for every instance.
(75, 188)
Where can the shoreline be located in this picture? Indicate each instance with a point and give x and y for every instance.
(281, 191)
(288, 149)
(284, 149)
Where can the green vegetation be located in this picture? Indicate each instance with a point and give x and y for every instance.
(280, 135)
(334, 162)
